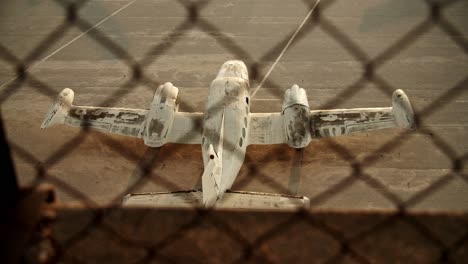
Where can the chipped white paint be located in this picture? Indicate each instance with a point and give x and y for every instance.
(226, 128)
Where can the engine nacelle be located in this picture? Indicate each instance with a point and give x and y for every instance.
(160, 115)
(296, 125)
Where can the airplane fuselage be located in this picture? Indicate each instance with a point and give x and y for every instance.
(226, 121)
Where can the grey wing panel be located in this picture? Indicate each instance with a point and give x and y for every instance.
(266, 128)
(330, 123)
(186, 128)
(122, 121)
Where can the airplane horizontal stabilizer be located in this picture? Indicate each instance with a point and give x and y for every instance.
(231, 199)
(259, 200)
(189, 198)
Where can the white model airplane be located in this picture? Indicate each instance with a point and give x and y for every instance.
(226, 129)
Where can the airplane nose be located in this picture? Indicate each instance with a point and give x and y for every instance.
(233, 68)
(398, 93)
(295, 88)
(238, 63)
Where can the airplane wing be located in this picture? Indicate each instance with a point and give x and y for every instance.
(266, 128)
(160, 124)
(277, 128)
(122, 121)
(186, 128)
(330, 123)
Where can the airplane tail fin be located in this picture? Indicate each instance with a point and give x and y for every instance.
(402, 110)
(210, 182)
(59, 109)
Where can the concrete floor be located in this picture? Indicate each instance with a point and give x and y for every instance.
(252, 31)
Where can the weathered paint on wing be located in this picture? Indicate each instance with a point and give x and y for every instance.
(122, 121)
(348, 121)
(160, 124)
(330, 123)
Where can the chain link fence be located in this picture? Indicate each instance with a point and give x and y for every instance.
(250, 249)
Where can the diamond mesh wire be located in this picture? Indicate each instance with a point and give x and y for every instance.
(150, 159)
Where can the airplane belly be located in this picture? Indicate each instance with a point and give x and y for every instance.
(211, 133)
(226, 131)
(226, 128)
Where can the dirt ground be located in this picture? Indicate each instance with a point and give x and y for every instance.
(99, 167)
